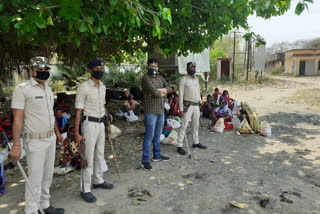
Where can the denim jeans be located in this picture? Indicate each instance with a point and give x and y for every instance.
(154, 125)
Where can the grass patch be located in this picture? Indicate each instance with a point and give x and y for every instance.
(310, 96)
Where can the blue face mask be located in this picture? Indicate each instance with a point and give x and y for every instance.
(191, 72)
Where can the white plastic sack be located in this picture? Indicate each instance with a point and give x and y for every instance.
(167, 106)
(162, 137)
(171, 122)
(120, 114)
(171, 139)
(219, 126)
(115, 132)
(265, 129)
(132, 117)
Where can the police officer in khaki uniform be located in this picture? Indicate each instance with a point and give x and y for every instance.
(90, 101)
(32, 107)
(189, 107)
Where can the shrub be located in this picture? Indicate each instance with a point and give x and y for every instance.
(278, 71)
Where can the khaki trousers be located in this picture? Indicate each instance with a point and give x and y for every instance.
(94, 134)
(192, 114)
(40, 160)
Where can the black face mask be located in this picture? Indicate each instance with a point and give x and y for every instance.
(152, 71)
(44, 75)
(97, 74)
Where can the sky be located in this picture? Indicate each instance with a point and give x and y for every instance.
(289, 27)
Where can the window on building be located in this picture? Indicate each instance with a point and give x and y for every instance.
(319, 65)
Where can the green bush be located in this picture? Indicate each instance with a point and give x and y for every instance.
(126, 79)
(58, 86)
(278, 71)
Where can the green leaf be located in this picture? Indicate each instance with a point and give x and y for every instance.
(169, 16)
(99, 29)
(1, 7)
(49, 21)
(78, 42)
(113, 2)
(90, 20)
(41, 22)
(105, 29)
(158, 30)
(299, 8)
(154, 32)
(83, 27)
(17, 25)
(91, 29)
(138, 21)
(156, 21)
(310, 1)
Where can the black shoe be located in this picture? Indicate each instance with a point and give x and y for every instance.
(104, 185)
(181, 151)
(146, 166)
(200, 146)
(52, 210)
(88, 197)
(161, 158)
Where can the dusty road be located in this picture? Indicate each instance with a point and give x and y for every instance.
(280, 174)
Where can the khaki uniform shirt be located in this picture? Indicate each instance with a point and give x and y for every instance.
(189, 89)
(37, 103)
(91, 98)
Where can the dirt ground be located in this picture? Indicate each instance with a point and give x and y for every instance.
(271, 175)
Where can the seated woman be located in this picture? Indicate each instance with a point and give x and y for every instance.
(225, 96)
(70, 150)
(208, 107)
(61, 120)
(245, 112)
(174, 107)
(131, 104)
(221, 112)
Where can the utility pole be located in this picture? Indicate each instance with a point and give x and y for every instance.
(245, 56)
(234, 54)
(248, 58)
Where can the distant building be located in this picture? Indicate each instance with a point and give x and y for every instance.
(302, 62)
(274, 61)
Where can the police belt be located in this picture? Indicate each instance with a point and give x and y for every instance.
(41, 135)
(94, 119)
(189, 103)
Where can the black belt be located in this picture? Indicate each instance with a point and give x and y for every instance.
(94, 119)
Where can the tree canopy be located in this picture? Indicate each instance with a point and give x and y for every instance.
(78, 30)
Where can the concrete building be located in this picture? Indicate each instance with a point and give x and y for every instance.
(302, 62)
(274, 61)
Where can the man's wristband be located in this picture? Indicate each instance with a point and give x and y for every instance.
(16, 146)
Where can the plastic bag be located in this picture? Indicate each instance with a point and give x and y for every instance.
(219, 126)
(265, 129)
(132, 117)
(245, 128)
(171, 139)
(162, 137)
(171, 122)
(115, 132)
